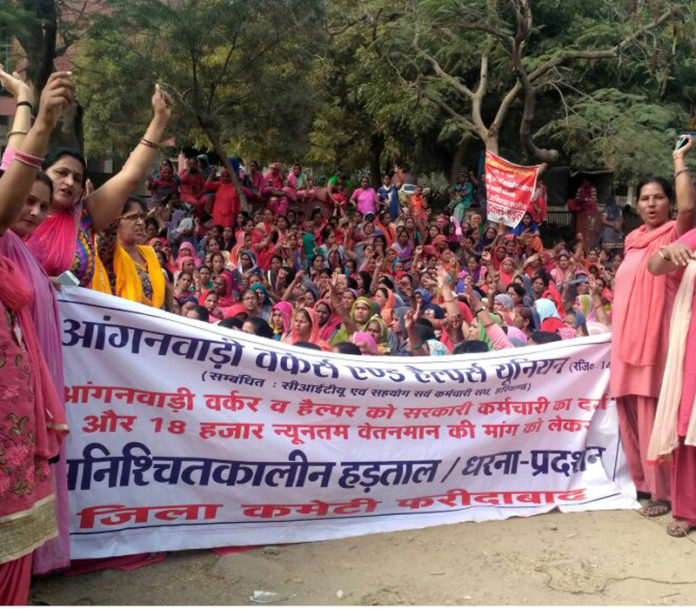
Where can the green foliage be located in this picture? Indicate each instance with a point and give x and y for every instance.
(625, 132)
(15, 20)
(235, 67)
(367, 116)
(436, 49)
(351, 83)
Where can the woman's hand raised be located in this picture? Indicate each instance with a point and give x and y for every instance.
(14, 84)
(162, 104)
(682, 152)
(57, 96)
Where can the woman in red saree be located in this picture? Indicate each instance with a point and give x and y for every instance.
(226, 204)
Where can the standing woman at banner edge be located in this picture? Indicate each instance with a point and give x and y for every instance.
(31, 421)
(55, 553)
(674, 433)
(641, 311)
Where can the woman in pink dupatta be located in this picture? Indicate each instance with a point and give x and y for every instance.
(673, 439)
(55, 553)
(32, 422)
(641, 312)
(186, 250)
(329, 320)
(281, 319)
(67, 239)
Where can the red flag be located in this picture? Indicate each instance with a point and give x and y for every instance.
(509, 189)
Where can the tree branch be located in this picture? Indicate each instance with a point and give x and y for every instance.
(214, 85)
(337, 31)
(523, 16)
(614, 51)
(572, 54)
(437, 68)
(455, 115)
(477, 98)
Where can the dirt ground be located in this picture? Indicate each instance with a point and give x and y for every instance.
(589, 558)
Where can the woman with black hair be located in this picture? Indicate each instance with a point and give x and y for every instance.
(641, 312)
(32, 416)
(133, 270)
(67, 239)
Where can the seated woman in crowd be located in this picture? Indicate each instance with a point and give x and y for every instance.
(133, 271)
(305, 328)
(163, 184)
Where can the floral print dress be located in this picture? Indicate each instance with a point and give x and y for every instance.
(27, 510)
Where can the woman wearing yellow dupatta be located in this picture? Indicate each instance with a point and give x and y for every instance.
(132, 271)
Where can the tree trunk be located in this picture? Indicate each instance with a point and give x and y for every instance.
(458, 159)
(40, 42)
(376, 148)
(492, 143)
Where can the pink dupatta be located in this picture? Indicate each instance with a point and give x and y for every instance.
(642, 309)
(55, 553)
(17, 295)
(54, 242)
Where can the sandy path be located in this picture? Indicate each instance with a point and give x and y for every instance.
(590, 558)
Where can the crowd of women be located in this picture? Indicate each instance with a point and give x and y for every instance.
(371, 271)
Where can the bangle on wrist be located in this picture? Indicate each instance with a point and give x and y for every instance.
(28, 159)
(662, 254)
(16, 132)
(678, 173)
(27, 104)
(25, 162)
(148, 143)
(479, 310)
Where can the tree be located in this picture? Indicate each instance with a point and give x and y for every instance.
(365, 120)
(46, 31)
(478, 61)
(624, 132)
(234, 68)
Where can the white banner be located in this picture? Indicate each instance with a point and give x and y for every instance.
(185, 435)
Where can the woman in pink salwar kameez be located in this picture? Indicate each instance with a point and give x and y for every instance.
(641, 311)
(32, 422)
(55, 553)
(274, 191)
